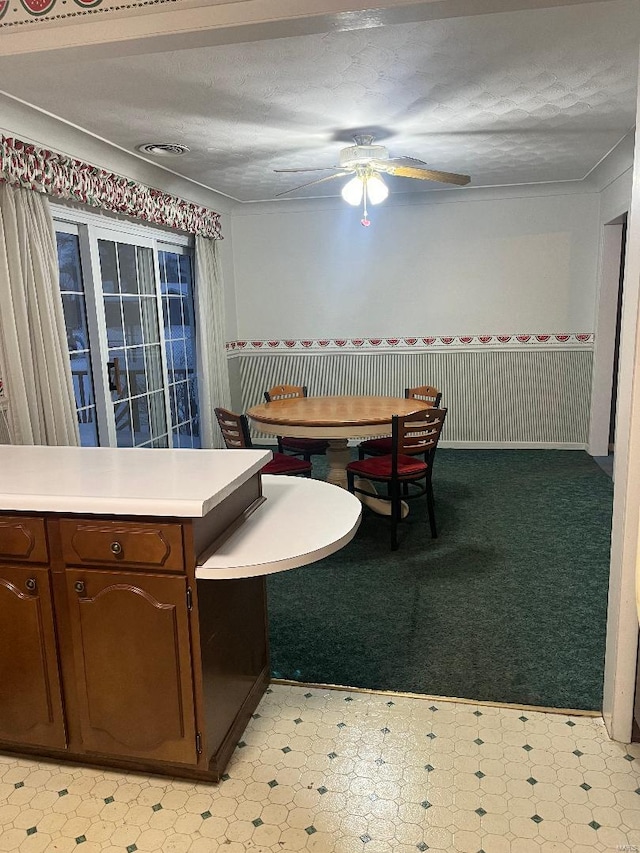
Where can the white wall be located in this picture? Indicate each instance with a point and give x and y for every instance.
(465, 266)
(613, 178)
(624, 578)
(615, 199)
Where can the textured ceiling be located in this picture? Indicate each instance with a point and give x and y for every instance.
(508, 98)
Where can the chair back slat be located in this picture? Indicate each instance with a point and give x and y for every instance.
(285, 392)
(234, 429)
(427, 393)
(418, 433)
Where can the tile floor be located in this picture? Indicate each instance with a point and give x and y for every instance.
(346, 772)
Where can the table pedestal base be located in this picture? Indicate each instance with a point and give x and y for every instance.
(338, 457)
(378, 505)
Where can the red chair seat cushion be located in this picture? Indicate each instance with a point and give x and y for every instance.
(283, 464)
(379, 467)
(377, 445)
(306, 445)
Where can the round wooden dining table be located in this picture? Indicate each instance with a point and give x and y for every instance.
(335, 418)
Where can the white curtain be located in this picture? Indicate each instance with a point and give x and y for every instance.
(34, 362)
(213, 374)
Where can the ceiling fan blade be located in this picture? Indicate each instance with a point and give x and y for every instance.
(406, 161)
(319, 169)
(427, 175)
(313, 183)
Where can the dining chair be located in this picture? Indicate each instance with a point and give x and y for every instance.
(305, 447)
(235, 432)
(412, 436)
(379, 446)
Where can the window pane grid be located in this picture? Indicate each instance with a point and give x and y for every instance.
(179, 336)
(134, 341)
(75, 316)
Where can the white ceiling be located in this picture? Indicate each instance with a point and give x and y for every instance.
(509, 98)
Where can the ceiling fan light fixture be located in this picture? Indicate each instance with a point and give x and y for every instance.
(352, 191)
(377, 190)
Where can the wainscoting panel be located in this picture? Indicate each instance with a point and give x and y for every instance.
(5, 432)
(495, 398)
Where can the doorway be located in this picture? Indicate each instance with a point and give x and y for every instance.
(608, 340)
(616, 355)
(607, 345)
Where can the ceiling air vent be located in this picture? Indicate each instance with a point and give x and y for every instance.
(171, 149)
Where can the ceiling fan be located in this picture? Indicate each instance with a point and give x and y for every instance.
(366, 162)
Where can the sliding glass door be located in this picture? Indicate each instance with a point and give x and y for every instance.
(128, 301)
(74, 303)
(134, 360)
(176, 285)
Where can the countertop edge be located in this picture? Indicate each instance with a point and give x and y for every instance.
(164, 506)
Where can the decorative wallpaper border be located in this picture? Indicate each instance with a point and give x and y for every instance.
(41, 11)
(572, 340)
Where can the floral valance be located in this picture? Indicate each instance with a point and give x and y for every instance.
(31, 167)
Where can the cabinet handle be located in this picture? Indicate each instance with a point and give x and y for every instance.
(79, 587)
(31, 584)
(116, 548)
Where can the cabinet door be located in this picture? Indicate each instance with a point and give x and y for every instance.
(133, 664)
(30, 698)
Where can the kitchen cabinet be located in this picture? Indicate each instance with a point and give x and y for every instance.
(30, 695)
(133, 618)
(132, 656)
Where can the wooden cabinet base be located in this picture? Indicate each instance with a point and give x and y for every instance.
(220, 758)
(115, 662)
(234, 656)
(217, 762)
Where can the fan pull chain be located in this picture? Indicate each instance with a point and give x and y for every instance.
(365, 221)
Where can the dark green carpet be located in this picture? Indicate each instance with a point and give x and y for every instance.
(508, 604)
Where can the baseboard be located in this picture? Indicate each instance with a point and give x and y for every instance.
(514, 445)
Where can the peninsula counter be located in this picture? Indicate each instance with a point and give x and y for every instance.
(133, 624)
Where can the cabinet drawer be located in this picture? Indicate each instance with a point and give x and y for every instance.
(23, 539)
(118, 543)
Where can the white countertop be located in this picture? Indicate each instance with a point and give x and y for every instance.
(122, 481)
(301, 521)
